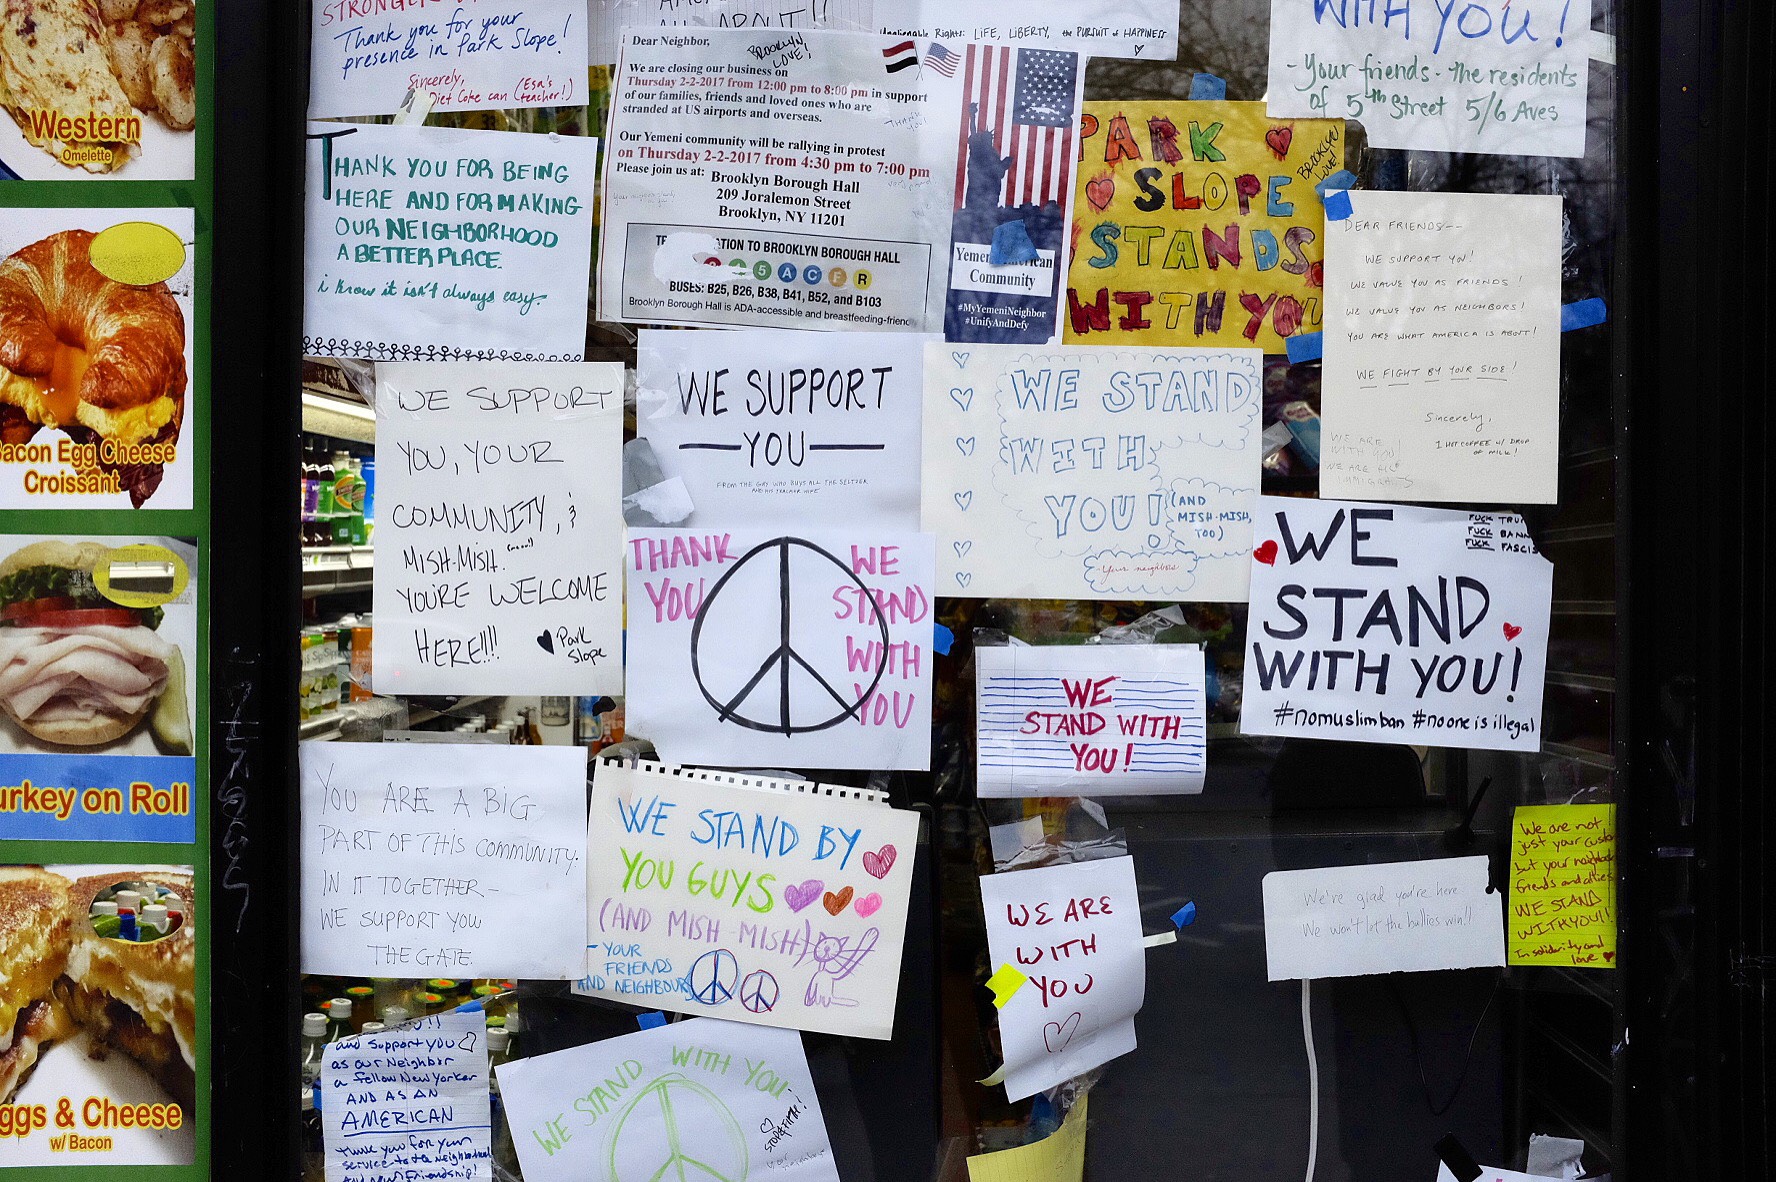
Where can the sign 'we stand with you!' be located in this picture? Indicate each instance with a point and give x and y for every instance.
(776, 902)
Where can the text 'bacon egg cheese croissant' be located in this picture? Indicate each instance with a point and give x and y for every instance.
(100, 360)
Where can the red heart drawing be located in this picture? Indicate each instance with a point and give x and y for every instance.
(1316, 273)
(1279, 139)
(1512, 632)
(1056, 1035)
(878, 864)
(1267, 553)
(1099, 193)
(836, 903)
(1609, 956)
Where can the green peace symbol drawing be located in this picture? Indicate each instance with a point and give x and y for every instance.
(657, 1117)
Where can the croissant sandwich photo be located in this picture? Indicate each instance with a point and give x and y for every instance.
(76, 669)
(84, 79)
(100, 360)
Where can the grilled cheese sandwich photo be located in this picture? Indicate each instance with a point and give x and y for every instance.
(99, 1001)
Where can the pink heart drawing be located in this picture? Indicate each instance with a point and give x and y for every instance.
(1056, 1035)
(868, 905)
(799, 897)
(878, 864)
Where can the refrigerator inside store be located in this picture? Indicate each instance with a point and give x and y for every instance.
(1228, 1075)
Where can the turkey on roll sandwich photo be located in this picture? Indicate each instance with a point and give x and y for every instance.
(78, 670)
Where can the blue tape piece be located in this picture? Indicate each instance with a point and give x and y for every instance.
(1305, 346)
(1011, 244)
(468, 1007)
(1184, 916)
(1344, 178)
(650, 1021)
(1338, 205)
(942, 639)
(1207, 87)
(1583, 314)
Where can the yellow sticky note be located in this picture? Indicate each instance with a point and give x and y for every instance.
(1197, 223)
(1563, 886)
(1059, 1157)
(1004, 983)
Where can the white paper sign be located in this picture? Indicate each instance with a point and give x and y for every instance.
(778, 902)
(500, 528)
(698, 1100)
(1441, 375)
(611, 17)
(785, 179)
(1146, 29)
(1494, 1174)
(1089, 720)
(1506, 77)
(416, 859)
(1075, 932)
(1092, 474)
(1396, 625)
(411, 1102)
(474, 56)
(1397, 917)
(753, 648)
(435, 244)
(771, 427)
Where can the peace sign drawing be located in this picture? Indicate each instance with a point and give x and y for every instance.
(677, 1129)
(759, 992)
(772, 683)
(712, 977)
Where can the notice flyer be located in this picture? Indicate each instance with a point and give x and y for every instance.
(839, 180)
(1441, 372)
(611, 17)
(1074, 931)
(97, 379)
(1197, 223)
(474, 56)
(765, 649)
(1092, 473)
(501, 528)
(703, 1101)
(1563, 885)
(437, 244)
(776, 426)
(102, 1009)
(416, 856)
(1506, 77)
(98, 679)
(1396, 625)
(779, 902)
(1089, 720)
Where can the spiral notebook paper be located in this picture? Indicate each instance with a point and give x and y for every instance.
(777, 902)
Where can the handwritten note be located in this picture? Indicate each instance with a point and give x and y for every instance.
(1396, 625)
(1075, 932)
(611, 17)
(1563, 885)
(481, 55)
(1501, 76)
(1146, 29)
(1058, 1157)
(795, 649)
(416, 857)
(1396, 917)
(1089, 720)
(774, 427)
(1197, 223)
(1441, 373)
(770, 901)
(703, 1099)
(1083, 474)
(433, 244)
(500, 528)
(408, 1103)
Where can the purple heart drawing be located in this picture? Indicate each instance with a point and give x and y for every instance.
(800, 896)
(1056, 1035)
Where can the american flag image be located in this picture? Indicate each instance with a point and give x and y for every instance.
(1025, 98)
(942, 59)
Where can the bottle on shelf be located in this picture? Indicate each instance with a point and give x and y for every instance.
(372, 1028)
(394, 1015)
(363, 999)
(356, 527)
(339, 1018)
(152, 923)
(314, 1039)
(345, 487)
